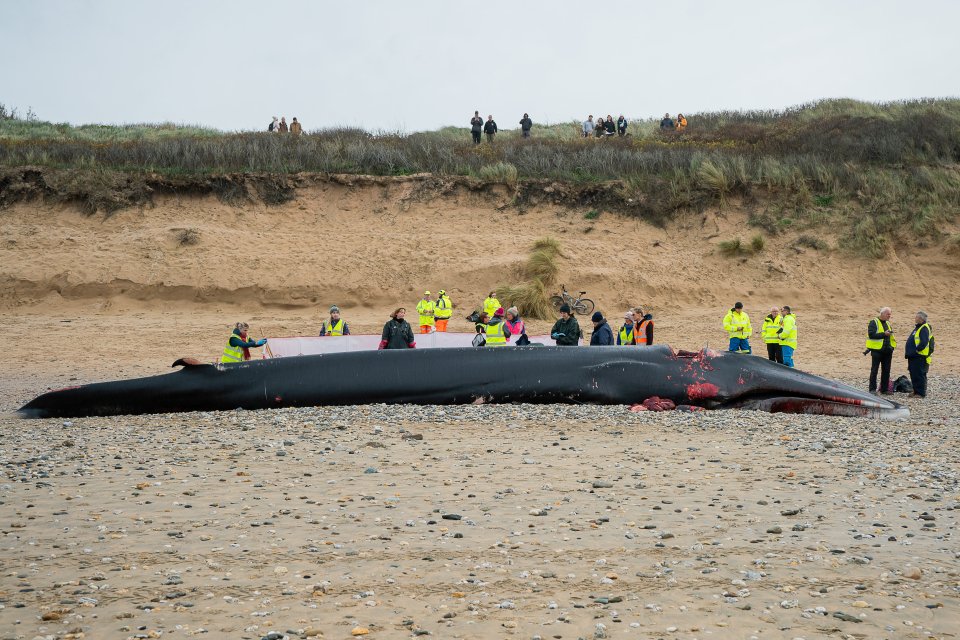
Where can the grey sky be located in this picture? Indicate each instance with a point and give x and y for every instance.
(413, 65)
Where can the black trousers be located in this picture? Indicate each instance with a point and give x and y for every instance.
(774, 352)
(476, 137)
(918, 369)
(880, 359)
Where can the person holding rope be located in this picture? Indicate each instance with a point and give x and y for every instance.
(238, 346)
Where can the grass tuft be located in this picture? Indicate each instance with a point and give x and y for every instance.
(539, 273)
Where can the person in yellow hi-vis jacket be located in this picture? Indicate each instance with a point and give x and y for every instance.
(919, 354)
(442, 310)
(880, 345)
(737, 325)
(426, 309)
(788, 335)
(771, 334)
(491, 304)
(238, 347)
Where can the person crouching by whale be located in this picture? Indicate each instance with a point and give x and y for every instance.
(397, 333)
(238, 346)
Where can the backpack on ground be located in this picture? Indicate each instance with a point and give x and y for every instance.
(903, 385)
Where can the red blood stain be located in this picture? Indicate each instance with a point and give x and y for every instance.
(701, 390)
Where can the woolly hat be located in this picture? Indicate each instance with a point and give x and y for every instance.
(514, 312)
(498, 312)
(597, 317)
(564, 308)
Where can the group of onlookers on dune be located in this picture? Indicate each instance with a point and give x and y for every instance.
(590, 128)
(280, 126)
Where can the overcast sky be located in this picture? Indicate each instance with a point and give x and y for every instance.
(411, 65)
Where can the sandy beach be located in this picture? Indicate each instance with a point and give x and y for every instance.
(457, 522)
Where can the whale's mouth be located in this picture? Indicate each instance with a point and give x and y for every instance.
(848, 407)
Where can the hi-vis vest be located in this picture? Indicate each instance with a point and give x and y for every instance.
(916, 341)
(626, 335)
(443, 309)
(876, 345)
(231, 353)
(641, 333)
(769, 330)
(788, 337)
(334, 329)
(496, 336)
(490, 305)
(733, 321)
(425, 309)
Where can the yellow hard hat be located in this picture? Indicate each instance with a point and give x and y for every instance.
(442, 292)
(426, 293)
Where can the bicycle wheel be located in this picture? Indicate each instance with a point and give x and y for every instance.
(556, 302)
(583, 306)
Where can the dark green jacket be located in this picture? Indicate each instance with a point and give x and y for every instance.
(566, 332)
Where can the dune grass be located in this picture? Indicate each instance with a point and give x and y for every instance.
(876, 172)
(539, 274)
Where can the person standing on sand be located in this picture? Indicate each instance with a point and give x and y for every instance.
(602, 335)
(295, 127)
(397, 333)
(426, 310)
(283, 124)
(737, 325)
(919, 351)
(496, 331)
(491, 304)
(788, 336)
(880, 345)
(515, 324)
(490, 128)
(238, 347)
(566, 330)
(442, 310)
(525, 125)
(625, 335)
(772, 326)
(335, 326)
(476, 127)
(643, 332)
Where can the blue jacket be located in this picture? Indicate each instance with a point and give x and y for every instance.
(910, 349)
(602, 335)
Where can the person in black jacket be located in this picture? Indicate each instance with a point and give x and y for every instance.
(880, 346)
(602, 333)
(609, 127)
(525, 125)
(621, 126)
(476, 127)
(397, 333)
(490, 128)
(667, 123)
(917, 351)
(566, 330)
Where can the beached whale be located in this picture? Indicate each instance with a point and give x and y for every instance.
(598, 375)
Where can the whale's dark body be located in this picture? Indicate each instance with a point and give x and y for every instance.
(599, 375)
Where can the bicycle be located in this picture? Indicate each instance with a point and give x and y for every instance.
(581, 305)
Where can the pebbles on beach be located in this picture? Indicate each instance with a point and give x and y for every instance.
(481, 521)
